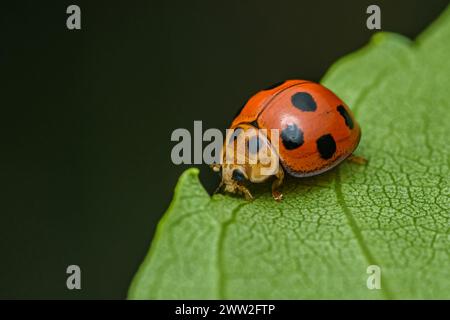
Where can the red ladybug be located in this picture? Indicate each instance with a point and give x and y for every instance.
(316, 132)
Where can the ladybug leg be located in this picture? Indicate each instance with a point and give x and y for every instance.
(248, 196)
(219, 187)
(217, 168)
(279, 177)
(357, 159)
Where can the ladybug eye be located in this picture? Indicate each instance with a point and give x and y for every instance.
(238, 176)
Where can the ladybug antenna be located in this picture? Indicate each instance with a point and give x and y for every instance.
(219, 187)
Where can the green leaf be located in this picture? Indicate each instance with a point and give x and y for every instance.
(393, 212)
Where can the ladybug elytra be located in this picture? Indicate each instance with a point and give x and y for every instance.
(315, 132)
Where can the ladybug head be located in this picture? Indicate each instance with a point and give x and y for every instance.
(246, 158)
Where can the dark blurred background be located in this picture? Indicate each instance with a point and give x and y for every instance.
(87, 115)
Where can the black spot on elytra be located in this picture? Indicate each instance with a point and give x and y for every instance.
(254, 145)
(326, 146)
(273, 86)
(238, 175)
(304, 101)
(348, 119)
(292, 137)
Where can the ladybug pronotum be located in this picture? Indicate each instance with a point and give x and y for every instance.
(316, 132)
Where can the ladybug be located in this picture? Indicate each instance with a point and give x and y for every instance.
(315, 132)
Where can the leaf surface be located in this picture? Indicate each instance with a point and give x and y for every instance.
(318, 242)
